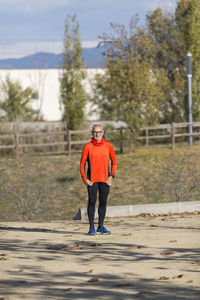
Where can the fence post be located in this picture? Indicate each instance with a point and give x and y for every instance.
(131, 144)
(173, 136)
(146, 137)
(121, 140)
(69, 142)
(16, 140)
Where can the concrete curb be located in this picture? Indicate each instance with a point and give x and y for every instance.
(135, 210)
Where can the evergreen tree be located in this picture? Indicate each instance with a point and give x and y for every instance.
(72, 93)
(15, 102)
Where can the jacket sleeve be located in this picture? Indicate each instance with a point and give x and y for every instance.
(82, 162)
(114, 161)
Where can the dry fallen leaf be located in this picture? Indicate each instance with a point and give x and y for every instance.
(124, 284)
(62, 247)
(3, 256)
(94, 279)
(126, 234)
(194, 262)
(21, 281)
(152, 215)
(78, 243)
(169, 214)
(178, 276)
(173, 241)
(189, 281)
(94, 245)
(90, 271)
(67, 290)
(74, 247)
(166, 253)
(134, 247)
(95, 256)
(142, 293)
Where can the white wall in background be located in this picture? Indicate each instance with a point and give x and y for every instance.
(46, 83)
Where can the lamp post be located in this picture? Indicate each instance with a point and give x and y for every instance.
(189, 96)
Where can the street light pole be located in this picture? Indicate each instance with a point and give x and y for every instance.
(189, 96)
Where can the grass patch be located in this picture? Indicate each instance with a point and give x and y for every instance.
(44, 188)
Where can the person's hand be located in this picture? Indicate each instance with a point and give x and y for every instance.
(88, 182)
(109, 181)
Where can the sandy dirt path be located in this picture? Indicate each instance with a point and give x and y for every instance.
(143, 258)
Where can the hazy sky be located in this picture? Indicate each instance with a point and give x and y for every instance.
(38, 23)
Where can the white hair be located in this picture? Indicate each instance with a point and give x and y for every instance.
(95, 125)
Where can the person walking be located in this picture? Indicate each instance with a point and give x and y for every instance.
(97, 153)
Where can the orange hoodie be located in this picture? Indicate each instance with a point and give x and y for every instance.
(98, 157)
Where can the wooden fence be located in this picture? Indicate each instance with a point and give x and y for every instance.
(172, 130)
(17, 136)
(147, 134)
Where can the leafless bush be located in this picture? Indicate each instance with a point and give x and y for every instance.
(176, 177)
(27, 195)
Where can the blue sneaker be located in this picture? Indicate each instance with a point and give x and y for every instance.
(92, 231)
(103, 230)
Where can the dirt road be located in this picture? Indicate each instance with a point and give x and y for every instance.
(143, 258)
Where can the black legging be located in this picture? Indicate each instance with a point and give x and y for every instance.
(92, 197)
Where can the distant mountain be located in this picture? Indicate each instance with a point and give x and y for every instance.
(93, 58)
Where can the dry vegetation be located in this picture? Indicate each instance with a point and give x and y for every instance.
(43, 188)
